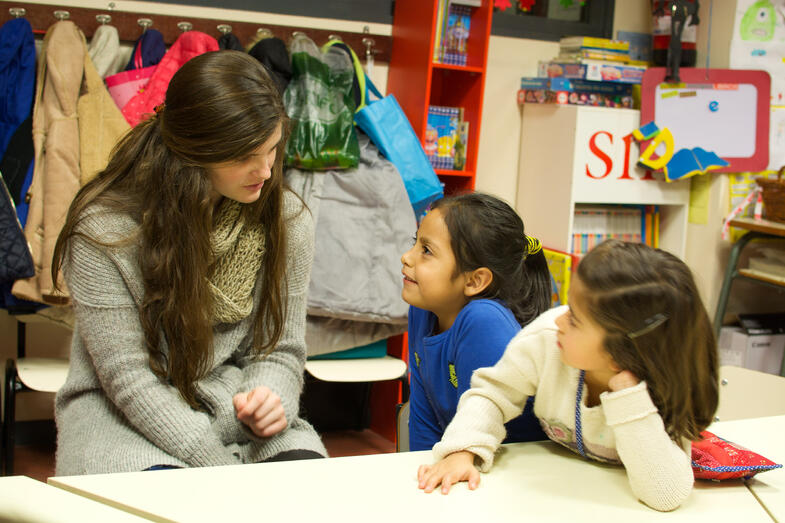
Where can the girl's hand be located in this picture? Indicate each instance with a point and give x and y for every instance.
(623, 380)
(458, 466)
(261, 410)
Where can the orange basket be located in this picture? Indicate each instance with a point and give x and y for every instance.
(773, 196)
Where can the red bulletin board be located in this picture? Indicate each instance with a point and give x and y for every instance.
(721, 110)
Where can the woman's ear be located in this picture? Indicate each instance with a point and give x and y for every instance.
(477, 281)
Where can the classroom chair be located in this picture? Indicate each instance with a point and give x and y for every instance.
(361, 370)
(21, 375)
(402, 427)
(746, 393)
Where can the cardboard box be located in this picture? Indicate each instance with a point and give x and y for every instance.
(762, 351)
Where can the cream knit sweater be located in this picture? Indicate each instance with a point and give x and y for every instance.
(113, 414)
(625, 428)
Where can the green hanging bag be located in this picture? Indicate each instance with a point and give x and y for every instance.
(321, 107)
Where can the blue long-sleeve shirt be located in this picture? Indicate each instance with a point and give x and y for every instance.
(442, 365)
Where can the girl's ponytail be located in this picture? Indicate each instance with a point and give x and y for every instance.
(535, 284)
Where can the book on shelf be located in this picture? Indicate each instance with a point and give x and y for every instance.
(560, 264)
(453, 22)
(461, 142)
(593, 224)
(441, 135)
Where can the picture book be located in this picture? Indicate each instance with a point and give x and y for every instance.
(456, 34)
(441, 133)
(560, 265)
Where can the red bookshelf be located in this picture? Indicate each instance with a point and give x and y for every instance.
(417, 82)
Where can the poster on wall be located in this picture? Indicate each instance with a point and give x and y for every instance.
(758, 42)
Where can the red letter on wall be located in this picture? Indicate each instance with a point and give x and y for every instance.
(600, 154)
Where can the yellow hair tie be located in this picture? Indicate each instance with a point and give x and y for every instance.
(535, 245)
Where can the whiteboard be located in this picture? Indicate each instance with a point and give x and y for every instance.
(724, 111)
(699, 115)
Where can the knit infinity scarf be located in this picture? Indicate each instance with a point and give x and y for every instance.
(238, 248)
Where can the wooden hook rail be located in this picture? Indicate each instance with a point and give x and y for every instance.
(42, 16)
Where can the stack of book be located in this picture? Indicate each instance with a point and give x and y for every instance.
(593, 224)
(596, 59)
(577, 48)
(446, 137)
(453, 21)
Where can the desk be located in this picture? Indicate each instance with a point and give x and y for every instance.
(766, 436)
(531, 481)
(25, 499)
(757, 229)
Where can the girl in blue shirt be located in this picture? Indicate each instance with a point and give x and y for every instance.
(473, 279)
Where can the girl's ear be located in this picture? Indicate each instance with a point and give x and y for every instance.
(477, 281)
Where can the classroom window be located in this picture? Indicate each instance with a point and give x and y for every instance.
(552, 19)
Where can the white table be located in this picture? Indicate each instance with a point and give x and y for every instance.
(530, 481)
(25, 499)
(766, 436)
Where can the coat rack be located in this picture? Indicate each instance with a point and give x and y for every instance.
(41, 16)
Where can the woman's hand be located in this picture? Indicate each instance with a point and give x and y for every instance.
(458, 466)
(261, 410)
(623, 380)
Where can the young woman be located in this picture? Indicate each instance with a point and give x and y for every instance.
(188, 265)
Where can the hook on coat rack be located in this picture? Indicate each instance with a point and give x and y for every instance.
(224, 29)
(368, 42)
(263, 32)
(17, 12)
(335, 37)
(103, 19)
(185, 26)
(62, 15)
(146, 23)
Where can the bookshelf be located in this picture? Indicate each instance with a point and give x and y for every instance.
(417, 82)
(573, 155)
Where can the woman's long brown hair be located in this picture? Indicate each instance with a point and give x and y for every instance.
(220, 106)
(656, 327)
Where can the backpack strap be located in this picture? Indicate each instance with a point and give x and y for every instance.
(359, 72)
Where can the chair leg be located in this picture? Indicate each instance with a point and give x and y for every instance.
(364, 419)
(10, 416)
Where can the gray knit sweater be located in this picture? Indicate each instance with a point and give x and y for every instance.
(114, 415)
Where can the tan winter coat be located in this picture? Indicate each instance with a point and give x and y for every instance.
(60, 117)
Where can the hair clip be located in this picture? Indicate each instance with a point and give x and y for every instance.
(535, 246)
(650, 324)
(159, 108)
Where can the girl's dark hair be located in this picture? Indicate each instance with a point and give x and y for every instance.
(657, 328)
(487, 232)
(220, 106)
